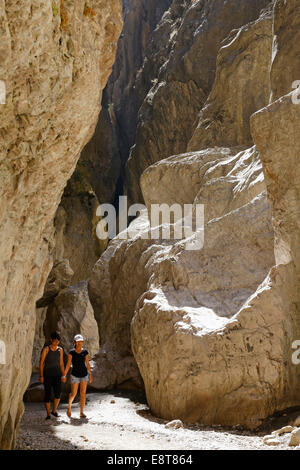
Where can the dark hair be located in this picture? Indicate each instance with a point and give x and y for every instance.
(55, 335)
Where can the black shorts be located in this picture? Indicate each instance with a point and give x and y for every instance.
(49, 383)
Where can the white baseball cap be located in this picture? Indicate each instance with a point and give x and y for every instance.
(78, 338)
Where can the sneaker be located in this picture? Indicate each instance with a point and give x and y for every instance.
(55, 414)
(48, 417)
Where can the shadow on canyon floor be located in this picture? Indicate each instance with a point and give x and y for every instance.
(121, 420)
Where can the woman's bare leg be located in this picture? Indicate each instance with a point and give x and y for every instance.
(83, 386)
(72, 395)
(47, 406)
(55, 404)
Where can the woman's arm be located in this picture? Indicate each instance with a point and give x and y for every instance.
(88, 367)
(42, 360)
(68, 364)
(61, 364)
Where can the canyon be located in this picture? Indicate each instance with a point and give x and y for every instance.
(198, 107)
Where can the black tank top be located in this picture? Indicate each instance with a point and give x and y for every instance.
(51, 364)
(78, 362)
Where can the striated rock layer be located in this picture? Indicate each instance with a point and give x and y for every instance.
(56, 59)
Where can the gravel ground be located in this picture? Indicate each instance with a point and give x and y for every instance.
(116, 421)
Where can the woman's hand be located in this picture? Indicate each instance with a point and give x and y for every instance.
(64, 379)
(42, 380)
(91, 378)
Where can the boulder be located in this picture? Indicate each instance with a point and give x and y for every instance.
(73, 314)
(172, 291)
(175, 424)
(295, 438)
(296, 423)
(284, 430)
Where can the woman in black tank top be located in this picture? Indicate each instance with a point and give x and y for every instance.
(81, 373)
(51, 372)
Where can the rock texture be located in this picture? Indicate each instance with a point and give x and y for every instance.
(75, 252)
(75, 227)
(71, 313)
(183, 63)
(105, 155)
(56, 61)
(213, 370)
(211, 330)
(59, 278)
(170, 288)
(285, 69)
(67, 311)
(241, 87)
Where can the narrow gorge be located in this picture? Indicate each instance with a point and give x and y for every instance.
(170, 103)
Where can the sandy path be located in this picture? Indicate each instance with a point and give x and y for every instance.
(122, 425)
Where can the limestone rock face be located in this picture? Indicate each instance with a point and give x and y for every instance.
(55, 63)
(285, 67)
(75, 227)
(118, 279)
(186, 335)
(189, 37)
(242, 86)
(223, 179)
(106, 153)
(209, 368)
(274, 129)
(211, 330)
(166, 285)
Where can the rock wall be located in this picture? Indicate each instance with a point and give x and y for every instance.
(241, 86)
(211, 330)
(105, 155)
(71, 313)
(238, 370)
(275, 132)
(56, 58)
(75, 227)
(96, 177)
(183, 58)
(75, 244)
(59, 278)
(180, 302)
